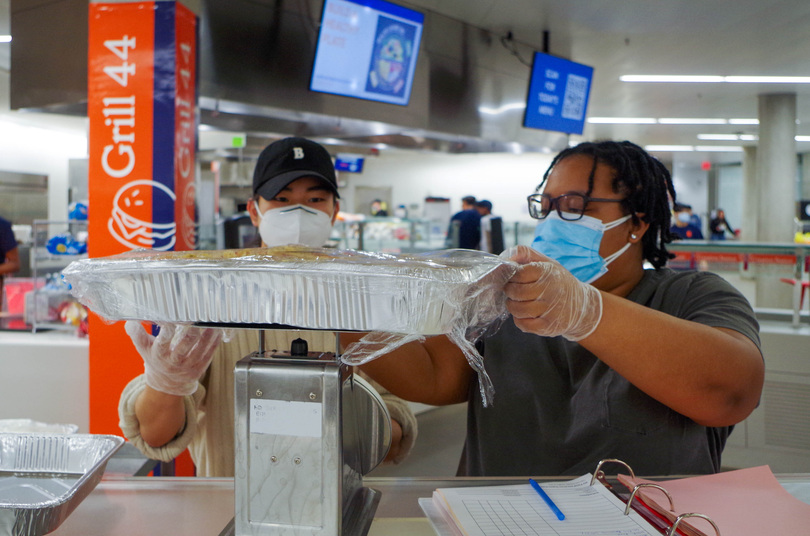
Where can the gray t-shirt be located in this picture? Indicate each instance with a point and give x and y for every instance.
(558, 409)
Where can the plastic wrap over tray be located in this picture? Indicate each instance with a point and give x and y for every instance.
(28, 426)
(44, 477)
(311, 288)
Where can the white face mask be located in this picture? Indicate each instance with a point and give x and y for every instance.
(297, 224)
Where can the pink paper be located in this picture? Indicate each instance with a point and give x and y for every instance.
(745, 502)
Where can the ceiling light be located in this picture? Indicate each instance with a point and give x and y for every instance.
(718, 137)
(740, 137)
(666, 120)
(668, 148)
(623, 120)
(502, 109)
(719, 148)
(744, 121)
(669, 78)
(699, 148)
(711, 79)
(5, 39)
(767, 79)
(691, 121)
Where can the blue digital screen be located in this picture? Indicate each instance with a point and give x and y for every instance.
(558, 94)
(349, 162)
(367, 49)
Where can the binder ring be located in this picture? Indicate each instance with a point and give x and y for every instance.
(646, 485)
(601, 474)
(674, 527)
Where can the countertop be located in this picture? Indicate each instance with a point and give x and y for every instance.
(179, 506)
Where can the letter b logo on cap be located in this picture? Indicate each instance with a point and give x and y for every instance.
(298, 153)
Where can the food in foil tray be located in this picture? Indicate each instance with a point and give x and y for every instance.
(312, 288)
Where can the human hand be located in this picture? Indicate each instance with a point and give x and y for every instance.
(177, 357)
(396, 442)
(546, 299)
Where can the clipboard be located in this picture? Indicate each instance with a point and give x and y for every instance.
(589, 510)
(756, 500)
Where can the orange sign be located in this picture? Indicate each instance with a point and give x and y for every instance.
(142, 111)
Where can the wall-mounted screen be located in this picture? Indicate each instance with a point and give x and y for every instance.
(367, 49)
(352, 163)
(558, 94)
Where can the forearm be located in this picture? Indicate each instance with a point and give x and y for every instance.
(396, 442)
(711, 375)
(432, 372)
(9, 267)
(161, 416)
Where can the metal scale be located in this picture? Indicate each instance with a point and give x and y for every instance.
(306, 431)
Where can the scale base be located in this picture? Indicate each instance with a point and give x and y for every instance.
(356, 521)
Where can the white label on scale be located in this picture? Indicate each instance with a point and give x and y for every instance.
(285, 417)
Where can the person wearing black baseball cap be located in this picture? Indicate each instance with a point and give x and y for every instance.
(185, 397)
(295, 195)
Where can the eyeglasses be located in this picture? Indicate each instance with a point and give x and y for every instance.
(570, 207)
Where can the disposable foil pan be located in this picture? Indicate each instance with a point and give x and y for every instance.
(311, 288)
(44, 477)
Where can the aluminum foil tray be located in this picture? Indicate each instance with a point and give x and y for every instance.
(44, 477)
(312, 288)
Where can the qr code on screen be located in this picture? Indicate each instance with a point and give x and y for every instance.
(576, 91)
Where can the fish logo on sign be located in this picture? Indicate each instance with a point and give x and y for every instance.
(134, 232)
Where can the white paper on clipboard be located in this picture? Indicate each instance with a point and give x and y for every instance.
(519, 509)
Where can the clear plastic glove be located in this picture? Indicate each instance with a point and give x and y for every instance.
(177, 357)
(545, 299)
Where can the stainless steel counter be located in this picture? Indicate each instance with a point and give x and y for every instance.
(204, 506)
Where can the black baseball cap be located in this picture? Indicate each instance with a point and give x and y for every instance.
(286, 160)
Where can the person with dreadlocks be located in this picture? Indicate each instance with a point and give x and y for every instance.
(601, 358)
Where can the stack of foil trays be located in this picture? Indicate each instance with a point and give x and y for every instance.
(311, 288)
(44, 477)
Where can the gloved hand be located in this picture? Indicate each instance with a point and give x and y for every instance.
(177, 357)
(546, 299)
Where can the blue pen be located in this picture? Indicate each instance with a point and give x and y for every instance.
(549, 502)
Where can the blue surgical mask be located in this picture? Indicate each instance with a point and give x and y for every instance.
(575, 244)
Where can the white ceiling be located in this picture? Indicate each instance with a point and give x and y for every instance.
(616, 37)
(700, 37)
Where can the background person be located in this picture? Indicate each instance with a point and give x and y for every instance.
(683, 227)
(718, 226)
(600, 357)
(468, 221)
(378, 209)
(484, 208)
(9, 254)
(185, 398)
(491, 228)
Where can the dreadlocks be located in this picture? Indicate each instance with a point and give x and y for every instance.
(645, 183)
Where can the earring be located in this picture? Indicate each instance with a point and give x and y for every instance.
(633, 236)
